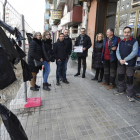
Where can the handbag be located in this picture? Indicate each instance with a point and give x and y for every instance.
(73, 55)
(37, 63)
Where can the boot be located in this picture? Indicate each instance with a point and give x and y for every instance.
(34, 89)
(45, 87)
(65, 81)
(48, 84)
(37, 86)
(57, 83)
(83, 76)
(77, 74)
(95, 78)
(100, 80)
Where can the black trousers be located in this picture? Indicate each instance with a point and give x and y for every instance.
(99, 71)
(110, 70)
(84, 64)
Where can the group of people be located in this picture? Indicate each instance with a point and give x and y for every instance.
(42, 50)
(109, 55)
(112, 54)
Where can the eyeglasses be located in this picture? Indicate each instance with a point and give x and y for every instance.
(47, 34)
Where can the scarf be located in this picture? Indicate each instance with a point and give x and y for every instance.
(82, 39)
(66, 37)
(39, 42)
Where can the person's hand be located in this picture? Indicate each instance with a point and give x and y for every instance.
(41, 59)
(84, 49)
(122, 62)
(73, 48)
(58, 60)
(113, 48)
(49, 63)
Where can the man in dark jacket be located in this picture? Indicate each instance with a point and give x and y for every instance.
(126, 55)
(109, 58)
(61, 54)
(68, 42)
(84, 41)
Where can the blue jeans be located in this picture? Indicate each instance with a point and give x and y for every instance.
(46, 71)
(62, 64)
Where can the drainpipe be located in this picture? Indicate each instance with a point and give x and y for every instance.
(4, 10)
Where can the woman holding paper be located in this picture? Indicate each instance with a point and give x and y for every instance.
(97, 63)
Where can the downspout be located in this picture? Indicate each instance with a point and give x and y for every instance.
(4, 10)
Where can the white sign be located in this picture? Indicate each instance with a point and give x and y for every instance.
(54, 28)
(78, 49)
(65, 19)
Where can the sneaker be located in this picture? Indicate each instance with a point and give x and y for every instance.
(104, 84)
(131, 99)
(65, 81)
(118, 92)
(111, 87)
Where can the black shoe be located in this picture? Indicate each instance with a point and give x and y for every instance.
(61, 79)
(37, 86)
(45, 87)
(83, 76)
(65, 81)
(77, 74)
(94, 78)
(34, 89)
(58, 83)
(48, 84)
(100, 80)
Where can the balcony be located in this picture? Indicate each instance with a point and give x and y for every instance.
(60, 4)
(47, 6)
(47, 16)
(47, 27)
(50, 1)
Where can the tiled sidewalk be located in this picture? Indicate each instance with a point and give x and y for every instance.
(81, 110)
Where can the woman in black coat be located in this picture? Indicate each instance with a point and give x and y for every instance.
(97, 63)
(35, 53)
(47, 58)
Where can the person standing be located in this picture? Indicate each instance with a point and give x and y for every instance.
(97, 63)
(126, 55)
(68, 42)
(47, 55)
(61, 54)
(109, 58)
(35, 53)
(84, 41)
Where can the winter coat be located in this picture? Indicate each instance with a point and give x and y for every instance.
(35, 52)
(68, 42)
(47, 51)
(7, 75)
(60, 50)
(87, 44)
(97, 63)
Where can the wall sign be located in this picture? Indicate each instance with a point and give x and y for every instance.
(56, 14)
